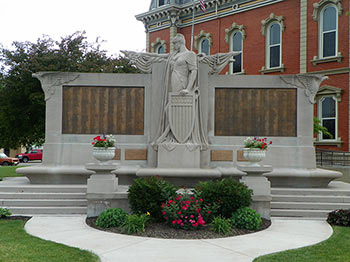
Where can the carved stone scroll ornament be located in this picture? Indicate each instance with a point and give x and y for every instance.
(310, 83)
(144, 61)
(218, 61)
(50, 80)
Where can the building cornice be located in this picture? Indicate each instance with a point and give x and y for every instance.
(159, 18)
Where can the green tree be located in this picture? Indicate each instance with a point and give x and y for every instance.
(318, 128)
(22, 105)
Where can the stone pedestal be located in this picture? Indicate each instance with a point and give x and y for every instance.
(103, 191)
(261, 187)
(179, 157)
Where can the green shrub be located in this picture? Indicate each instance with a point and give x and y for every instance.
(246, 218)
(148, 194)
(135, 223)
(228, 194)
(221, 225)
(340, 217)
(4, 212)
(112, 217)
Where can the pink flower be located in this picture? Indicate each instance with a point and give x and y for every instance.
(201, 200)
(192, 216)
(209, 212)
(178, 198)
(182, 224)
(179, 212)
(166, 218)
(163, 212)
(173, 222)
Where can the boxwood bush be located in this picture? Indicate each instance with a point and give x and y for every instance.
(112, 217)
(339, 217)
(227, 193)
(246, 218)
(148, 194)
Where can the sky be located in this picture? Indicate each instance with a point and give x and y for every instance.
(112, 20)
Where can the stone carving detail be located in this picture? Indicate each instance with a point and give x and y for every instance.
(200, 36)
(52, 80)
(158, 43)
(271, 18)
(310, 83)
(233, 28)
(318, 6)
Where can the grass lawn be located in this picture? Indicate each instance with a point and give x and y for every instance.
(334, 249)
(6, 171)
(17, 246)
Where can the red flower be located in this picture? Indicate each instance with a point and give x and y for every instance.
(209, 212)
(179, 212)
(163, 212)
(270, 142)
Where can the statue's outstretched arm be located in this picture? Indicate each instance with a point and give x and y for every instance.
(144, 61)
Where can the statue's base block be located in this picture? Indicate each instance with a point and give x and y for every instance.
(179, 157)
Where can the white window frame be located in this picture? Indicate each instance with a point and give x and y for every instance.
(200, 45)
(321, 32)
(231, 49)
(320, 136)
(268, 46)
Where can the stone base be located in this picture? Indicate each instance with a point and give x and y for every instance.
(180, 157)
(97, 203)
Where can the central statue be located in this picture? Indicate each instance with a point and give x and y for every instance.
(181, 120)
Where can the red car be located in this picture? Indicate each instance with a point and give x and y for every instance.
(35, 154)
(8, 161)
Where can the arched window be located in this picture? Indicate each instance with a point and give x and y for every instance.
(204, 46)
(161, 49)
(328, 31)
(327, 112)
(274, 45)
(236, 45)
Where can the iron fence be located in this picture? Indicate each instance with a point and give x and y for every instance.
(332, 158)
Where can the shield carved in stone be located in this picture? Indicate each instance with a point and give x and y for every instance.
(181, 115)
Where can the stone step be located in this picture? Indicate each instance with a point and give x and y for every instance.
(310, 192)
(309, 206)
(34, 195)
(43, 188)
(44, 210)
(299, 213)
(10, 203)
(314, 198)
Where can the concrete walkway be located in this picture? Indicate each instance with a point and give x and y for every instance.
(281, 235)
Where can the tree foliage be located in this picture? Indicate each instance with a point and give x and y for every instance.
(22, 105)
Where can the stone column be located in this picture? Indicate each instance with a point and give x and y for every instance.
(103, 191)
(261, 188)
(303, 36)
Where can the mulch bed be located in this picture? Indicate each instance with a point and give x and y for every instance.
(160, 230)
(23, 218)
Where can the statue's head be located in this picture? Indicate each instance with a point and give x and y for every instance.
(179, 40)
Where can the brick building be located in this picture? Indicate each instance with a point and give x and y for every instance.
(274, 37)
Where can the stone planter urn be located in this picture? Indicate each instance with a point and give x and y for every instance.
(103, 154)
(254, 155)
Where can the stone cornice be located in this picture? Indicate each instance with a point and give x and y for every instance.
(318, 6)
(233, 28)
(200, 36)
(272, 17)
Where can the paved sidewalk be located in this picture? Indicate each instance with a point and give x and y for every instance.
(281, 235)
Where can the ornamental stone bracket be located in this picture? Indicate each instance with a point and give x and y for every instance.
(51, 80)
(272, 17)
(158, 43)
(202, 34)
(318, 7)
(234, 27)
(310, 84)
